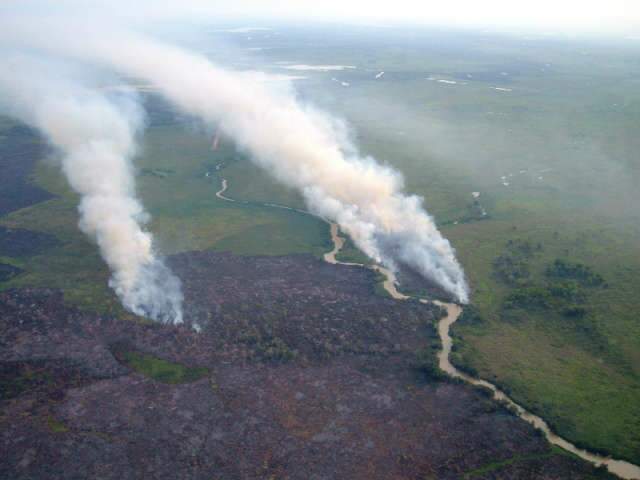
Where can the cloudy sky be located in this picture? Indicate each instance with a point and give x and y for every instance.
(618, 17)
(573, 15)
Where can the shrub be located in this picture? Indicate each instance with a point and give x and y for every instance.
(528, 297)
(574, 311)
(470, 316)
(426, 363)
(576, 271)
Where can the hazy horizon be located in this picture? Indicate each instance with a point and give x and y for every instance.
(618, 18)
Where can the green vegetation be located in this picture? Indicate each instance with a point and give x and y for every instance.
(351, 254)
(512, 267)
(426, 363)
(268, 347)
(493, 466)
(558, 295)
(598, 473)
(575, 271)
(470, 316)
(56, 426)
(426, 359)
(249, 182)
(263, 343)
(560, 345)
(157, 368)
(158, 172)
(378, 286)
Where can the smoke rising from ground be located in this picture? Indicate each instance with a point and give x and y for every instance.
(308, 150)
(299, 145)
(96, 138)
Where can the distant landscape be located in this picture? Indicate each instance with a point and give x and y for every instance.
(525, 151)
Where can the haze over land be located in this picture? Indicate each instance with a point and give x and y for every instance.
(613, 17)
(523, 145)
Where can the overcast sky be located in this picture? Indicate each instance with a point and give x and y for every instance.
(620, 17)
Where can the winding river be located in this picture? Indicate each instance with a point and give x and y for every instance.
(620, 468)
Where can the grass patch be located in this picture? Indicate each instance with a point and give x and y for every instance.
(158, 369)
(56, 426)
(378, 286)
(351, 254)
(493, 466)
(597, 473)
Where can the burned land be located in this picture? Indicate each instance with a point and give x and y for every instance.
(20, 149)
(18, 242)
(300, 370)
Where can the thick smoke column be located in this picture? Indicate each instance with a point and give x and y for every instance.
(96, 138)
(303, 148)
(296, 143)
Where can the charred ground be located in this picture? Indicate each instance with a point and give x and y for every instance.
(303, 372)
(20, 149)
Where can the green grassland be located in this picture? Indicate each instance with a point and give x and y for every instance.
(249, 182)
(349, 253)
(580, 374)
(158, 368)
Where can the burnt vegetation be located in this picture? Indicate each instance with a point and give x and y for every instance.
(300, 371)
(7, 272)
(296, 307)
(20, 149)
(17, 242)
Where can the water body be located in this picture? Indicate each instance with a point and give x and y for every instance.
(620, 468)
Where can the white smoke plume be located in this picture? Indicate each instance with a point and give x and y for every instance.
(96, 137)
(298, 144)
